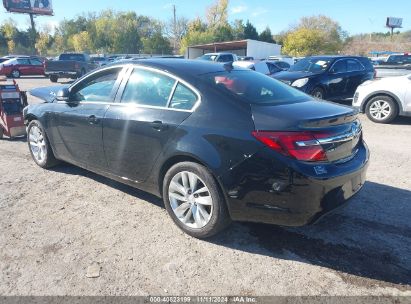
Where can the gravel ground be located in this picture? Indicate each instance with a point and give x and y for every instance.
(63, 226)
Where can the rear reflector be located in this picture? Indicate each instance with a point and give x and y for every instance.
(303, 146)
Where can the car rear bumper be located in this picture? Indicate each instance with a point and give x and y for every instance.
(264, 189)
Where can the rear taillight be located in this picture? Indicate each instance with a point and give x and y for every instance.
(303, 146)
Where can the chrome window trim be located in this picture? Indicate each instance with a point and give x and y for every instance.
(127, 69)
(341, 59)
(176, 78)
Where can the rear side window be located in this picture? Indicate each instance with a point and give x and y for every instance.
(254, 88)
(148, 88)
(183, 98)
(353, 66)
(74, 57)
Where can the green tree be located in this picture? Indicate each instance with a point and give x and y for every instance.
(266, 36)
(238, 29)
(304, 42)
(250, 32)
(217, 14)
(82, 42)
(43, 42)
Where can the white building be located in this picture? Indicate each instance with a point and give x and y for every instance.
(250, 48)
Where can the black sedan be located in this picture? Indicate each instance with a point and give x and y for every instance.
(329, 77)
(218, 143)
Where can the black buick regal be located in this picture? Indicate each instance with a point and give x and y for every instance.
(216, 142)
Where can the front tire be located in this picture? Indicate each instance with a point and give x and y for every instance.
(53, 78)
(194, 201)
(318, 93)
(39, 146)
(381, 109)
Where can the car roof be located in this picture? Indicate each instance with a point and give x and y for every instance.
(182, 68)
(334, 56)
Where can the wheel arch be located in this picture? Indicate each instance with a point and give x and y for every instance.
(175, 159)
(382, 93)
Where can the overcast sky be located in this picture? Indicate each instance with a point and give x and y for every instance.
(355, 16)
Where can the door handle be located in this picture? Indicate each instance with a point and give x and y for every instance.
(158, 125)
(92, 119)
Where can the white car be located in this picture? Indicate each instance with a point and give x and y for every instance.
(264, 67)
(384, 99)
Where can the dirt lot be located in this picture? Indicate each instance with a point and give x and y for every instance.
(55, 224)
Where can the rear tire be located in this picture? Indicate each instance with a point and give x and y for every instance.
(318, 93)
(39, 146)
(194, 201)
(15, 74)
(381, 109)
(1, 133)
(53, 78)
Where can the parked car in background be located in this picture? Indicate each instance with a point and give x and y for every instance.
(99, 61)
(245, 58)
(394, 65)
(219, 57)
(287, 59)
(264, 67)
(69, 65)
(384, 99)
(24, 66)
(272, 154)
(329, 77)
(3, 59)
(397, 61)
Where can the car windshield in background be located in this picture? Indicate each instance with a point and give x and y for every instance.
(311, 65)
(208, 57)
(255, 88)
(73, 57)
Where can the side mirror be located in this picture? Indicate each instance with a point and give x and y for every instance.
(63, 95)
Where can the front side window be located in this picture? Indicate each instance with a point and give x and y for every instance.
(148, 88)
(339, 67)
(254, 88)
(23, 61)
(97, 87)
(183, 98)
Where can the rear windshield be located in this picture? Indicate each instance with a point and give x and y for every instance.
(74, 57)
(254, 87)
(312, 65)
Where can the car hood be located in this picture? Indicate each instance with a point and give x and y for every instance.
(48, 94)
(292, 76)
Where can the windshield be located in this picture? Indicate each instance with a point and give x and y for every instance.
(312, 65)
(208, 57)
(254, 87)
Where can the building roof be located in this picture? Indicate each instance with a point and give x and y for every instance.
(221, 46)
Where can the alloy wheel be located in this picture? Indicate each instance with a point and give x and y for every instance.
(190, 199)
(15, 74)
(37, 144)
(380, 109)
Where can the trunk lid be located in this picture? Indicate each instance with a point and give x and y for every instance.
(334, 127)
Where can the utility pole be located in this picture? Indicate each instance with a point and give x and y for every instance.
(174, 27)
(33, 31)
